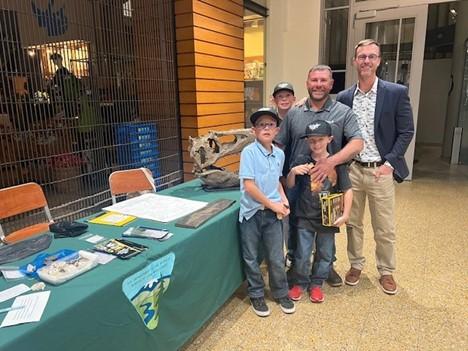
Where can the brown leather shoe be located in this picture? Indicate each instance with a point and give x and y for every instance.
(353, 276)
(388, 284)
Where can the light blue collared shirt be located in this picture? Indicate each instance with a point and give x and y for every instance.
(265, 169)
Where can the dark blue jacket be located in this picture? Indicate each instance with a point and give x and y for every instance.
(393, 123)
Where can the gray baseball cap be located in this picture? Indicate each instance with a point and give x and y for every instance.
(264, 111)
(318, 128)
(283, 86)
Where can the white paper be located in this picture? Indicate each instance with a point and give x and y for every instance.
(94, 239)
(13, 292)
(12, 274)
(104, 258)
(33, 307)
(156, 207)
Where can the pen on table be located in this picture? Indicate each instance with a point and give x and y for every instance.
(9, 268)
(8, 309)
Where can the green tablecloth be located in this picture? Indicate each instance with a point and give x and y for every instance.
(91, 312)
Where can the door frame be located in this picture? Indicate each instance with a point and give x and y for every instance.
(362, 14)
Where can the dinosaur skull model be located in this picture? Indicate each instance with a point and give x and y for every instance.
(208, 149)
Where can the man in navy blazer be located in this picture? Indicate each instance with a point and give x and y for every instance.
(386, 121)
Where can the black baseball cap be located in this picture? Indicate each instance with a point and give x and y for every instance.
(262, 112)
(318, 128)
(283, 86)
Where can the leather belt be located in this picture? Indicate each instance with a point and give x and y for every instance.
(369, 164)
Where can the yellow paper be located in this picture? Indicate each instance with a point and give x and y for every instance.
(113, 218)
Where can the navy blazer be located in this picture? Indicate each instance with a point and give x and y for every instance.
(393, 123)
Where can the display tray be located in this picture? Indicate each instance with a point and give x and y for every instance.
(62, 270)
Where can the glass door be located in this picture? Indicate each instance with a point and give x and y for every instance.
(401, 33)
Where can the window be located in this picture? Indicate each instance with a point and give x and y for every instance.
(254, 62)
(334, 40)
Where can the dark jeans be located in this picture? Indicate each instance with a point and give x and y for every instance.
(263, 228)
(306, 241)
(292, 195)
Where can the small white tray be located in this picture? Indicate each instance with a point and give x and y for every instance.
(67, 268)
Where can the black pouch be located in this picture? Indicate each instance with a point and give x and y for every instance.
(67, 229)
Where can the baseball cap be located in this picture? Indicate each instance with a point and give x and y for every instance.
(283, 86)
(318, 128)
(264, 111)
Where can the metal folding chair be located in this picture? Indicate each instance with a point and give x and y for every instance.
(130, 181)
(20, 199)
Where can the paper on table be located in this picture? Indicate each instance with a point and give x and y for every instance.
(161, 208)
(13, 292)
(12, 274)
(104, 258)
(95, 239)
(112, 218)
(33, 307)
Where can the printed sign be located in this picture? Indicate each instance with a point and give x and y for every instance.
(145, 288)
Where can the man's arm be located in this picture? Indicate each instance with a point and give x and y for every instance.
(404, 128)
(355, 144)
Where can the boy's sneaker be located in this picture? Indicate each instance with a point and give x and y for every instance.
(316, 294)
(259, 306)
(286, 305)
(295, 293)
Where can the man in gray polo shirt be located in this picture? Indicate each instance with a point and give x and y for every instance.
(347, 140)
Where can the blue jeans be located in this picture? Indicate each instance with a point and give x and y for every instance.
(263, 228)
(306, 241)
(291, 231)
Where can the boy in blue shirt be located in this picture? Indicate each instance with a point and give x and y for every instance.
(262, 206)
(309, 213)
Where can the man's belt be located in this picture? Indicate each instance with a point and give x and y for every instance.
(369, 164)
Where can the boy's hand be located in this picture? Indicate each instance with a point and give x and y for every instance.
(301, 169)
(280, 209)
(340, 221)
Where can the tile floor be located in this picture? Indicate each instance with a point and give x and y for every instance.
(430, 312)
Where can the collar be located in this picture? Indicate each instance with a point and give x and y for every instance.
(264, 151)
(373, 89)
(326, 106)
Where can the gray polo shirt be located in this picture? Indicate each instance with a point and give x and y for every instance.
(342, 119)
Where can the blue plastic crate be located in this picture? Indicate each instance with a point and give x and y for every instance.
(138, 146)
(135, 132)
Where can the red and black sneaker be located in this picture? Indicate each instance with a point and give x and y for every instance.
(316, 294)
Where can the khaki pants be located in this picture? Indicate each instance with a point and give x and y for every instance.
(381, 197)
